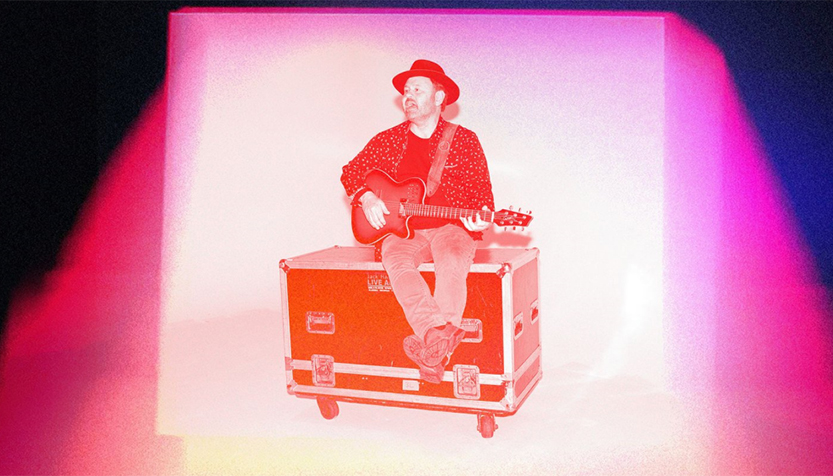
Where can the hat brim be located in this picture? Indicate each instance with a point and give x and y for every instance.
(452, 91)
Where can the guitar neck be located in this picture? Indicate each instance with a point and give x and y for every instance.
(436, 211)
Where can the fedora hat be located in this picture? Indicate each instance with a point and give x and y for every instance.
(431, 70)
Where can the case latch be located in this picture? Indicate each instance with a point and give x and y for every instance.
(323, 371)
(467, 382)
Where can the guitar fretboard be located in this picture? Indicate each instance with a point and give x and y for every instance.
(436, 211)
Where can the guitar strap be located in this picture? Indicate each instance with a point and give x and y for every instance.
(436, 172)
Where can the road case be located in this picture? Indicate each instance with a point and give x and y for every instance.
(343, 332)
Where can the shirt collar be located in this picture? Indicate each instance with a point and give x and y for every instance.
(437, 130)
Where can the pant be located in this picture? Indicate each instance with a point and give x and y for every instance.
(452, 250)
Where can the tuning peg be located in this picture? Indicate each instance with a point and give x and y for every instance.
(510, 207)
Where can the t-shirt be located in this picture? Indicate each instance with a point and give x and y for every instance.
(417, 163)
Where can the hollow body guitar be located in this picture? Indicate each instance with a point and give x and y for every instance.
(406, 199)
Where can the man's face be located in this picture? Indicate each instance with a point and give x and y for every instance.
(419, 99)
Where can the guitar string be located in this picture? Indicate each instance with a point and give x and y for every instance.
(436, 211)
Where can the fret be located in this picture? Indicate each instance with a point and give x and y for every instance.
(435, 211)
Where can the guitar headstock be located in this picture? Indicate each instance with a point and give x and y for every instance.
(512, 218)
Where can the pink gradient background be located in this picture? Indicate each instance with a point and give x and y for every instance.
(683, 321)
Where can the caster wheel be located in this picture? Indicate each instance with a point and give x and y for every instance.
(486, 424)
(328, 407)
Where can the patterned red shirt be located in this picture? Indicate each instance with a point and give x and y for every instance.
(465, 181)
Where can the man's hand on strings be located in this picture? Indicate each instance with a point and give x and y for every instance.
(374, 209)
(474, 225)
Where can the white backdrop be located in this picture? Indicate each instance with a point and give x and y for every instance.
(266, 107)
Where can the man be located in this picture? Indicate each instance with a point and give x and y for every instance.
(417, 148)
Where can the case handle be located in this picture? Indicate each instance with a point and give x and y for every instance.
(518, 324)
(321, 322)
